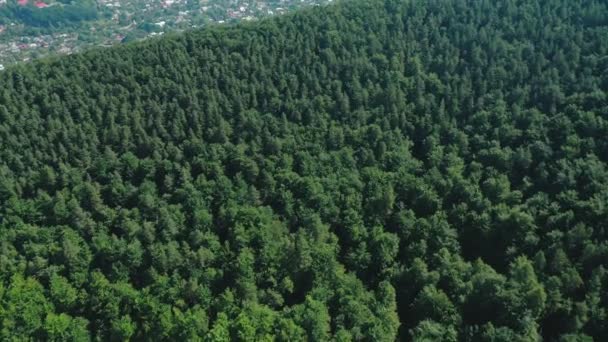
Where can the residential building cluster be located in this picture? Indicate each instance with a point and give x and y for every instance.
(122, 21)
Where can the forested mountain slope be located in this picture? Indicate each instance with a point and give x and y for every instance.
(375, 170)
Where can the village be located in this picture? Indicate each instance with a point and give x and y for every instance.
(117, 21)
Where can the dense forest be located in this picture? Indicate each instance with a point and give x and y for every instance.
(374, 170)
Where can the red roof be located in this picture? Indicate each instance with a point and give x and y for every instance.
(22, 2)
(40, 4)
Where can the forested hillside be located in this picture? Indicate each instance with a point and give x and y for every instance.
(374, 170)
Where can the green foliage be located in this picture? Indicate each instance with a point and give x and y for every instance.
(59, 15)
(373, 170)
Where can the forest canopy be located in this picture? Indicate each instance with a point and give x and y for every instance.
(373, 170)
